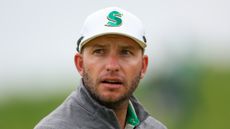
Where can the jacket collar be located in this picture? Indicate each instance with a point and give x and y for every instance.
(98, 111)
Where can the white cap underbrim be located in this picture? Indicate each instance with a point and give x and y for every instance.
(84, 42)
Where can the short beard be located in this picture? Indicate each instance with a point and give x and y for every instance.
(90, 86)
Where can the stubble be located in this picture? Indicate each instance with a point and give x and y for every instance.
(91, 87)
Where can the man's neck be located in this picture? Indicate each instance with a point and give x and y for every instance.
(121, 113)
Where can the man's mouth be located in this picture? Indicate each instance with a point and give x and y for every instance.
(112, 82)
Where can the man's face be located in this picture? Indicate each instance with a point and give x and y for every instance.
(111, 67)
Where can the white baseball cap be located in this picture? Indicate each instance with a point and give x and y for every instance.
(112, 20)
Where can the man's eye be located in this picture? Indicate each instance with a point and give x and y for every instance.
(99, 51)
(126, 52)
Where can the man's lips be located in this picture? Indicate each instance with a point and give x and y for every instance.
(112, 82)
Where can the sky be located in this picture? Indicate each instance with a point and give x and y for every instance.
(38, 37)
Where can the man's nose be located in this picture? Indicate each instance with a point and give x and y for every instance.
(112, 64)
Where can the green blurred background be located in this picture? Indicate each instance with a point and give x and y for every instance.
(187, 83)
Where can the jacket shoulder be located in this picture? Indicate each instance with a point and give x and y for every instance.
(151, 123)
(66, 116)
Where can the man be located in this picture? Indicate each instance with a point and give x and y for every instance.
(111, 61)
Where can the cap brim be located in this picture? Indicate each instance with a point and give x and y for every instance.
(85, 41)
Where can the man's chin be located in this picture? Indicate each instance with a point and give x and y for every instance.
(112, 102)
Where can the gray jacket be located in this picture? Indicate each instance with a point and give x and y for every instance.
(81, 111)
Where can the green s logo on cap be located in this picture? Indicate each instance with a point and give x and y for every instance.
(114, 18)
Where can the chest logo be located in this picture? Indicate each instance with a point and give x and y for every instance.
(114, 18)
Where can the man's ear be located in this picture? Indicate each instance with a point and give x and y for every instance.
(79, 63)
(145, 62)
